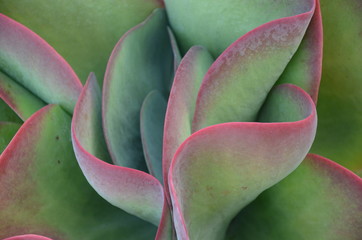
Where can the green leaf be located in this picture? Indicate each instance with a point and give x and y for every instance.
(141, 62)
(237, 83)
(319, 200)
(134, 191)
(219, 170)
(32, 63)
(7, 132)
(152, 121)
(217, 24)
(339, 135)
(83, 32)
(43, 190)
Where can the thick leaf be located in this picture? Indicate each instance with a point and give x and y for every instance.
(31, 62)
(44, 192)
(181, 103)
(152, 120)
(28, 237)
(141, 62)
(238, 82)
(166, 229)
(134, 191)
(83, 32)
(7, 114)
(217, 24)
(7, 132)
(242, 159)
(305, 68)
(319, 200)
(18, 98)
(339, 135)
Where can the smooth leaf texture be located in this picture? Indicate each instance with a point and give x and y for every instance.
(305, 68)
(153, 112)
(205, 199)
(134, 191)
(83, 32)
(181, 103)
(319, 200)
(18, 98)
(31, 62)
(28, 237)
(142, 61)
(238, 82)
(44, 192)
(339, 135)
(7, 131)
(217, 24)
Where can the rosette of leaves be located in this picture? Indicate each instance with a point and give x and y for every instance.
(185, 142)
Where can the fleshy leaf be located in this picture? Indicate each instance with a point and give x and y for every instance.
(217, 24)
(7, 114)
(205, 199)
(28, 237)
(134, 191)
(18, 98)
(34, 64)
(319, 200)
(305, 68)
(165, 229)
(44, 192)
(83, 32)
(181, 103)
(140, 62)
(152, 120)
(339, 135)
(7, 131)
(238, 82)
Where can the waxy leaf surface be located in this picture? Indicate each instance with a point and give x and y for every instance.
(238, 82)
(44, 192)
(205, 199)
(134, 191)
(83, 32)
(319, 200)
(142, 61)
(31, 62)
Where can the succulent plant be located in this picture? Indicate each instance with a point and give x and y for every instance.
(207, 141)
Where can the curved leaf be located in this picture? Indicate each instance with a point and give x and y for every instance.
(134, 191)
(181, 103)
(44, 192)
(242, 159)
(238, 82)
(140, 62)
(319, 200)
(31, 62)
(153, 112)
(217, 24)
(83, 32)
(18, 98)
(339, 135)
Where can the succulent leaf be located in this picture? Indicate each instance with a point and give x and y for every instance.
(153, 112)
(31, 62)
(319, 200)
(7, 131)
(140, 62)
(217, 24)
(43, 190)
(238, 82)
(134, 191)
(339, 105)
(305, 68)
(205, 199)
(23, 102)
(83, 32)
(181, 103)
